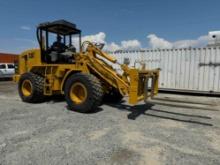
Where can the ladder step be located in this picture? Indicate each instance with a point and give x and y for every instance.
(48, 82)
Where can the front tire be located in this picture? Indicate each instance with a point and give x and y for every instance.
(30, 87)
(83, 92)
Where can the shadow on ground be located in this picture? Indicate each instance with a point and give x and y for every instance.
(148, 110)
(61, 98)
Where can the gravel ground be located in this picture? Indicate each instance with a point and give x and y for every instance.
(172, 129)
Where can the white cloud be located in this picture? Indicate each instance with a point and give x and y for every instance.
(112, 47)
(156, 42)
(97, 38)
(199, 42)
(24, 27)
(101, 38)
(124, 45)
(130, 44)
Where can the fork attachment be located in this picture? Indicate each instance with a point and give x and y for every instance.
(143, 85)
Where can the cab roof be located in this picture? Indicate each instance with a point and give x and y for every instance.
(61, 27)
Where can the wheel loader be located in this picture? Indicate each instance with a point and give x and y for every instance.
(82, 72)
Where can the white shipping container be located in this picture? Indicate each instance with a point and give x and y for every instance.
(192, 69)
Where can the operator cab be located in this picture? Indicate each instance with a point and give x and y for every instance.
(55, 40)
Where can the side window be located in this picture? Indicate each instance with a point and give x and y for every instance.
(11, 66)
(2, 66)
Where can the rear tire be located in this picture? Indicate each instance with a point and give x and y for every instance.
(30, 88)
(83, 92)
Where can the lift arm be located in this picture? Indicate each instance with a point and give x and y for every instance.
(132, 82)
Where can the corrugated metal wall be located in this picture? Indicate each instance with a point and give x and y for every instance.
(196, 69)
(8, 58)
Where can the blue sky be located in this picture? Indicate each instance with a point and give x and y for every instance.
(119, 20)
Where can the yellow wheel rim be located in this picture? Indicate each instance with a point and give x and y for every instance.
(26, 88)
(78, 93)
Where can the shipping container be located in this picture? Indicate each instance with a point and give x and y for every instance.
(189, 70)
(8, 58)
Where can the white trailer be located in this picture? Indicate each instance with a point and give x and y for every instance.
(190, 70)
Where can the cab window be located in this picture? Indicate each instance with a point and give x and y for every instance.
(2, 66)
(11, 66)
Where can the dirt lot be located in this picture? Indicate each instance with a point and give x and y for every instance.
(173, 129)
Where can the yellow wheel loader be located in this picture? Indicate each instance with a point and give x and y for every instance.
(83, 73)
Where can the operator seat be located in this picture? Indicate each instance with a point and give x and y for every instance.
(68, 56)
